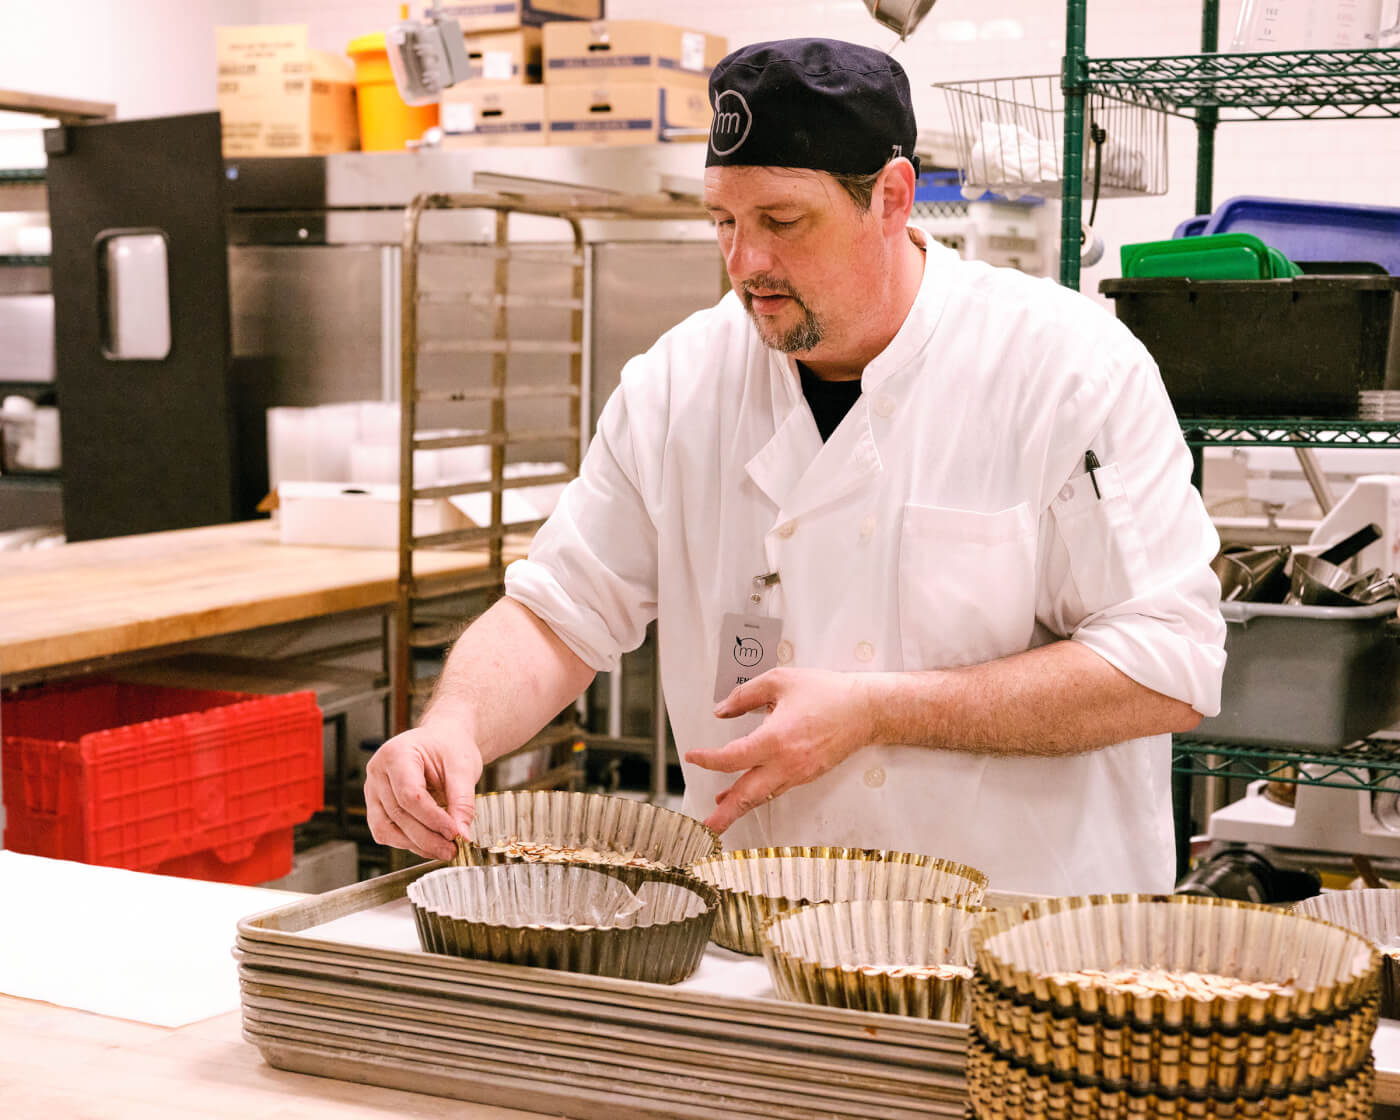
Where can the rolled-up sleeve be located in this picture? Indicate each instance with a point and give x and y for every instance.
(1125, 552)
(590, 574)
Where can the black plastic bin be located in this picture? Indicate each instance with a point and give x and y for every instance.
(1300, 347)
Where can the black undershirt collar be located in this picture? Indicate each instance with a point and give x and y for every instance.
(828, 400)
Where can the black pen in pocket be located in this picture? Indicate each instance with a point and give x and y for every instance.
(1091, 464)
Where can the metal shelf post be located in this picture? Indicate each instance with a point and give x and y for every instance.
(1073, 81)
(1206, 120)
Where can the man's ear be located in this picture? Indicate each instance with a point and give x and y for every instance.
(893, 197)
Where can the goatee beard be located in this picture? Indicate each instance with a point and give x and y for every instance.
(802, 336)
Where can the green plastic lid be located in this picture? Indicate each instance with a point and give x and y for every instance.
(1223, 256)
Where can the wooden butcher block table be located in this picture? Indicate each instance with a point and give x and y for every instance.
(75, 607)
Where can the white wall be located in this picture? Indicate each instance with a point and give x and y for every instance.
(150, 57)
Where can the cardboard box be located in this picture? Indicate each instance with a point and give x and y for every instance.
(629, 50)
(503, 15)
(499, 117)
(624, 113)
(504, 58)
(278, 97)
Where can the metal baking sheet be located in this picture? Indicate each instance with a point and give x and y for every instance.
(503, 1087)
(766, 1095)
(293, 928)
(766, 1025)
(659, 1053)
(322, 995)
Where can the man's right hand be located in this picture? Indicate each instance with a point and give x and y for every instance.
(419, 789)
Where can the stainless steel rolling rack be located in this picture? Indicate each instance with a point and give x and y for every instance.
(482, 370)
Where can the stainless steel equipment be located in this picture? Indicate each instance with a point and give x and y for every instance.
(1322, 581)
(900, 15)
(315, 283)
(1246, 574)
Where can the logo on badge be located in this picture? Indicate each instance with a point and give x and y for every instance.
(732, 122)
(747, 651)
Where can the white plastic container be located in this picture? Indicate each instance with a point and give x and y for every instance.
(1294, 25)
(332, 513)
(1374, 499)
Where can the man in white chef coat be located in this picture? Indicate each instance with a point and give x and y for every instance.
(923, 527)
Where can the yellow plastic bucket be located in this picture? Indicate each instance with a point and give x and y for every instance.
(387, 123)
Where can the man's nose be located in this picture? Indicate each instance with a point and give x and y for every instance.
(748, 255)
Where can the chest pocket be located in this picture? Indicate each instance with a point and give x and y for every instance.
(1107, 561)
(966, 585)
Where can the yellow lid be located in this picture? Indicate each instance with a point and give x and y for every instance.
(367, 44)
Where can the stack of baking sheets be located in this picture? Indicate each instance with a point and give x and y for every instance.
(336, 985)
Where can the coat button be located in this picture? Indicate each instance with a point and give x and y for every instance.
(864, 651)
(787, 530)
(884, 405)
(867, 526)
(1066, 492)
(784, 652)
(875, 777)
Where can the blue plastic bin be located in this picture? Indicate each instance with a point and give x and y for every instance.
(1315, 231)
(1192, 227)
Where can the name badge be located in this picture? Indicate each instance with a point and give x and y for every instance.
(748, 646)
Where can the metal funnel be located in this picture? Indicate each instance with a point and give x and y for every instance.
(1248, 575)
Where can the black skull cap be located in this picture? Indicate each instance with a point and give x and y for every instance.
(816, 103)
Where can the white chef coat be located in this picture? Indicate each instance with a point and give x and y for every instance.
(947, 521)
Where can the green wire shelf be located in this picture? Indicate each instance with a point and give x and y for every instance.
(1290, 433)
(20, 261)
(1369, 764)
(21, 175)
(1283, 85)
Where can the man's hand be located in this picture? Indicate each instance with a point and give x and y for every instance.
(419, 789)
(816, 720)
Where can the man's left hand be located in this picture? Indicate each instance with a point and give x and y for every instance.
(816, 720)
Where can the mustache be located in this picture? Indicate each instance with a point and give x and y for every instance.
(770, 285)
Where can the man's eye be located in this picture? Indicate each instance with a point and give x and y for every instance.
(724, 223)
(783, 225)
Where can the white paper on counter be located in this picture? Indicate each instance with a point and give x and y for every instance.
(1385, 1048)
(390, 926)
(149, 948)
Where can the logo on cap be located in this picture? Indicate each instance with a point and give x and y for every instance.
(731, 124)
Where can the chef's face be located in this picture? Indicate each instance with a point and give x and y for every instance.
(808, 264)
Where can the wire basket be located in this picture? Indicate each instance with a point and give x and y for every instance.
(1010, 139)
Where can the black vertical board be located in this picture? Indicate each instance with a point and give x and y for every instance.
(147, 445)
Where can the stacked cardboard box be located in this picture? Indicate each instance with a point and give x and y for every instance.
(277, 97)
(502, 103)
(506, 15)
(504, 57)
(614, 82)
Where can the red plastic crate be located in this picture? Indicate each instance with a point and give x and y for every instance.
(177, 781)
